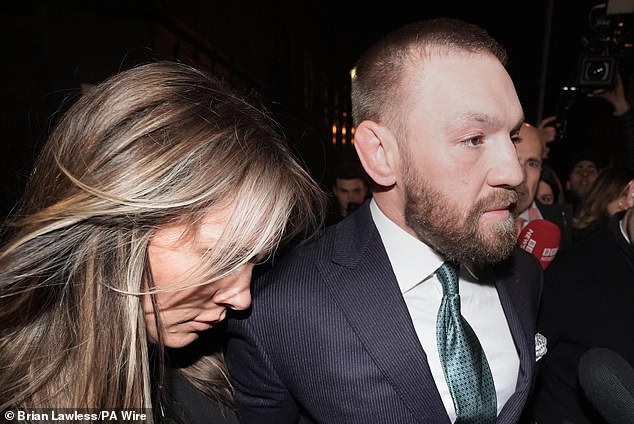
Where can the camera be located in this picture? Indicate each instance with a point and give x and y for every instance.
(595, 72)
(608, 48)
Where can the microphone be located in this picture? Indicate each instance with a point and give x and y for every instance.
(607, 380)
(541, 238)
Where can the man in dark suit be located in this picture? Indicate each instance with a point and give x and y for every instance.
(530, 153)
(346, 328)
(350, 190)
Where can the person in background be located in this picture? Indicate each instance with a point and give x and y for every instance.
(586, 304)
(578, 161)
(549, 189)
(586, 164)
(142, 221)
(607, 197)
(583, 173)
(548, 130)
(350, 190)
(545, 193)
(352, 328)
(530, 153)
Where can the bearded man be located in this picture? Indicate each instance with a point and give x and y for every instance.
(352, 327)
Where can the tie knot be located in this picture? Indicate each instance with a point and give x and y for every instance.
(448, 276)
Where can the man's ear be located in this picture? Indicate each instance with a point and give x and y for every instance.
(377, 151)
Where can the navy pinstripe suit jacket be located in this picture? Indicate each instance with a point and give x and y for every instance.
(329, 338)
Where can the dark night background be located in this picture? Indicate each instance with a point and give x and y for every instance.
(295, 54)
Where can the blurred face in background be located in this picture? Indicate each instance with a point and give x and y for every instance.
(349, 191)
(545, 193)
(581, 178)
(530, 151)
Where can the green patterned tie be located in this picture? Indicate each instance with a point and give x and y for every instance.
(463, 360)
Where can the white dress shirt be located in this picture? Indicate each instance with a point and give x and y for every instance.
(414, 265)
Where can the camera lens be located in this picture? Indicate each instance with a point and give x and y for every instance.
(597, 71)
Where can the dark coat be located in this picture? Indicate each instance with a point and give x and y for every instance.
(588, 301)
(560, 214)
(185, 404)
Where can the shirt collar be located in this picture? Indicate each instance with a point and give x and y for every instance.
(623, 233)
(412, 260)
(526, 214)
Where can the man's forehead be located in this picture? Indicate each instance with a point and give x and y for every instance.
(585, 164)
(530, 146)
(349, 181)
(457, 79)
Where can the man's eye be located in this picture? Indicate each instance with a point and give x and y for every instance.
(473, 141)
(534, 164)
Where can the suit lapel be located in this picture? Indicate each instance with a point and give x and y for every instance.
(364, 286)
(513, 299)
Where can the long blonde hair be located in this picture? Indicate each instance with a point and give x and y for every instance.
(153, 145)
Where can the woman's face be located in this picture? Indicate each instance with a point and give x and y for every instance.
(185, 311)
(545, 193)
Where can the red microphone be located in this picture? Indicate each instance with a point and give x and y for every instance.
(541, 238)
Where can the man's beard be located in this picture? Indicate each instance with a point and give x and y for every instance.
(455, 236)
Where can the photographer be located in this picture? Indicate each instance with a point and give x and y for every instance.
(594, 113)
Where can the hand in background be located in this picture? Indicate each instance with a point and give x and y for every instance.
(615, 96)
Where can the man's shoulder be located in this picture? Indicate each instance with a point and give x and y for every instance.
(520, 258)
(308, 250)
(586, 252)
(346, 238)
(519, 265)
(523, 273)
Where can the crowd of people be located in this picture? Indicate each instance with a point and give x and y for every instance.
(585, 305)
(172, 256)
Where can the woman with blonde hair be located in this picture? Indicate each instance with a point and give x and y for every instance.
(142, 221)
